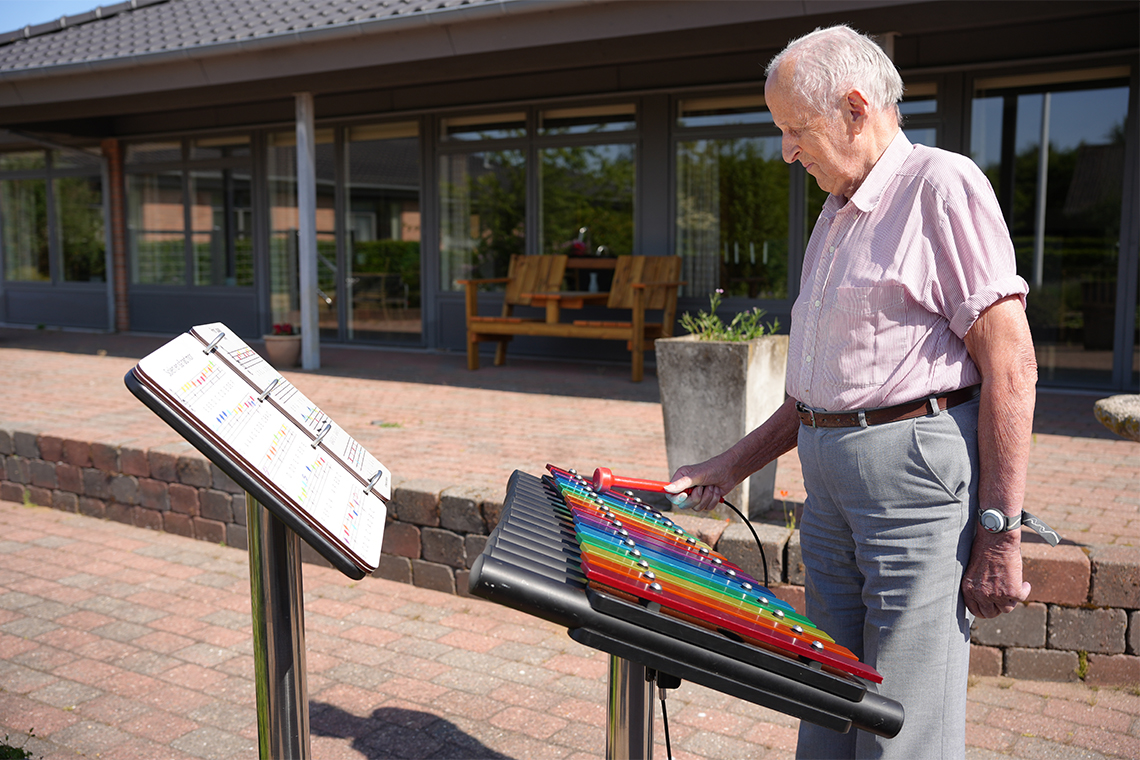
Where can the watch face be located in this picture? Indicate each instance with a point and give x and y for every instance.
(993, 521)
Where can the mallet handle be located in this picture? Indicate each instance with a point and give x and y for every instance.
(605, 480)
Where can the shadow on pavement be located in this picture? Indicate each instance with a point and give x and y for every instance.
(392, 732)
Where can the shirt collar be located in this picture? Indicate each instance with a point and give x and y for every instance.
(867, 196)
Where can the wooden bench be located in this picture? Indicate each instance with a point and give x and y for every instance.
(640, 284)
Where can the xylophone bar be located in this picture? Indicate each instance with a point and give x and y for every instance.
(532, 563)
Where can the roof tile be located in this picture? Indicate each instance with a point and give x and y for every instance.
(156, 25)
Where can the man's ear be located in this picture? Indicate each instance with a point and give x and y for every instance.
(857, 109)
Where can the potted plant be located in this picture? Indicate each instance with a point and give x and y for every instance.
(717, 383)
(283, 346)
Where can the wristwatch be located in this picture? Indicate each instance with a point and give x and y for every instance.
(996, 521)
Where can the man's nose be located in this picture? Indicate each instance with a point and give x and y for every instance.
(789, 148)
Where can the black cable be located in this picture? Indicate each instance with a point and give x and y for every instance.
(665, 720)
(759, 545)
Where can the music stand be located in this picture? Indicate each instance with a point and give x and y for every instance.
(276, 518)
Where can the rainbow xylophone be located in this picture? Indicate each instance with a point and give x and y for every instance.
(668, 602)
(632, 549)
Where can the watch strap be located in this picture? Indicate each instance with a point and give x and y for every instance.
(1038, 525)
(1034, 523)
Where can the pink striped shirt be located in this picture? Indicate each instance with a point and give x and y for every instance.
(894, 279)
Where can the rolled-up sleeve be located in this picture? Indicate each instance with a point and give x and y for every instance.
(977, 266)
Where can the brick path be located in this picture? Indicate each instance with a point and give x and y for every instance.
(123, 642)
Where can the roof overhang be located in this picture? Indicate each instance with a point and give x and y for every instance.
(449, 33)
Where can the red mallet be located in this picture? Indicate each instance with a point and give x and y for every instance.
(605, 480)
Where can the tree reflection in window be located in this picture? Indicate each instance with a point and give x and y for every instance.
(732, 216)
(482, 214)
(587, 200)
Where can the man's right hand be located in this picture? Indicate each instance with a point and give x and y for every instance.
(703, 485)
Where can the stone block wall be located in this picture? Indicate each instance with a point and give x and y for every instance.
(1081, 622)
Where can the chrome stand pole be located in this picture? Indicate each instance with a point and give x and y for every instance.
(278, 636)
(629, 713)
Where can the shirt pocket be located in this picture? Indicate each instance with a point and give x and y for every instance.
(867, 335)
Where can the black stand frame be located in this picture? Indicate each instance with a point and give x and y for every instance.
(275, 532)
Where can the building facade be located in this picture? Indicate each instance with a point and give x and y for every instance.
(150, 179)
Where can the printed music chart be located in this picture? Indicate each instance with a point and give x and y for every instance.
(242, 405)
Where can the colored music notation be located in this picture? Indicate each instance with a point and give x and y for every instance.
(630, 549)
(256, 422)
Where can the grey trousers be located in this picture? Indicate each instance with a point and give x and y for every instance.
(886, 533)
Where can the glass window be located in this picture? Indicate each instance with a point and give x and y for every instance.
(588, 120)
(587, 200)
(285, 303)
(482, 214)
(383, 232)
(723, 110)
(919, 98)
(495, 126)
(219, 228)
(23, 212)
(76, 159)
(22, 160)
(190, 224)
(1055, 156)
(927, 136)
(154, 153)
(156, 228)
(919, 111)
(79, 207)
(219, 147)
(732, 216)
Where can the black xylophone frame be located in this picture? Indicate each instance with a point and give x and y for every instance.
(531, 564)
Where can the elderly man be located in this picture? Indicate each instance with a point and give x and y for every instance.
(911, 379)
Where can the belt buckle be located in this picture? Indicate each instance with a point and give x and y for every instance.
(801, 408)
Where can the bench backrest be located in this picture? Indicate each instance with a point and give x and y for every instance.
(533, 274)
(645, 269)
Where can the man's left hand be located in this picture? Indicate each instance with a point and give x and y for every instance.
(992, 583)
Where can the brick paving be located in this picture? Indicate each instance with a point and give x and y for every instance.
(117, 641)
(122, 642)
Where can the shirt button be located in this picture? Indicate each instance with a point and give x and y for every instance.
(808, 358)
(817, 302)
(831, 249)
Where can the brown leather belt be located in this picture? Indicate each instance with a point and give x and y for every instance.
(897, 413)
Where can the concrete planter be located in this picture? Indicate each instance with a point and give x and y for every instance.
(712, 394)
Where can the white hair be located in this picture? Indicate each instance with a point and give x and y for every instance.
(831, 62)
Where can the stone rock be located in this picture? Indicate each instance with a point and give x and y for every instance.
(1120, 414)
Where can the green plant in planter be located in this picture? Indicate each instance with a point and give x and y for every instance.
(745, 325)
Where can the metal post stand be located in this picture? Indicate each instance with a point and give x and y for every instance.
(629, 713)
(278, 636)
